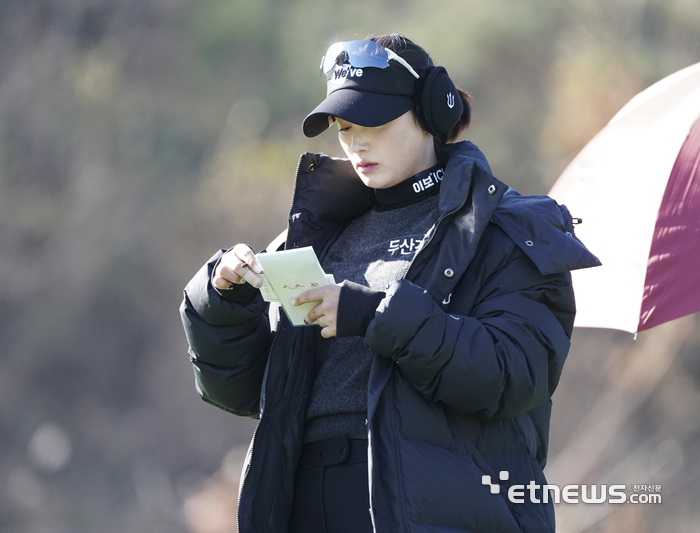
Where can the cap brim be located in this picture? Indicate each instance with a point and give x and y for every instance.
(359, 107)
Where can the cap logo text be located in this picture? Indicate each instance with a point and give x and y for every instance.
(450, 100)
(347, 72)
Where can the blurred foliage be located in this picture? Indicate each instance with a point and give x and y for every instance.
(139, 136)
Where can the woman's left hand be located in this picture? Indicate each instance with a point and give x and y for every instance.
(325, 313)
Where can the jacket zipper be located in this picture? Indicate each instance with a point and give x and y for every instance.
(252, 440)
(245, 475)
(294, 197)
(439, 222)
(430, 238)
(264, 381)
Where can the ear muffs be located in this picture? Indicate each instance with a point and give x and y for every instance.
(438, 103)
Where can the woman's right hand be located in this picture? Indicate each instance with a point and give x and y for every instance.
(236, 267)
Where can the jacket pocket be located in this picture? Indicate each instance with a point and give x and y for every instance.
(444, 487)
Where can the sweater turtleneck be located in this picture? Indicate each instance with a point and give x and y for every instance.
(412, 190)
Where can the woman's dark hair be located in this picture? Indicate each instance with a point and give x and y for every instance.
(419, 59)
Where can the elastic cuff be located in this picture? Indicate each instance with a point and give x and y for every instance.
(240, 294)
(356, 307)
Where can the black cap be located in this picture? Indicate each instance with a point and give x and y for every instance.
(367, 96)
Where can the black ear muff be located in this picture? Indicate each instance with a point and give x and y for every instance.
(438, 104)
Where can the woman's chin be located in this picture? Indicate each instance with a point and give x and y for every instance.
(377, 181)
(365, 179)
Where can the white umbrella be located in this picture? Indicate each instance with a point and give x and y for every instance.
(636, 186)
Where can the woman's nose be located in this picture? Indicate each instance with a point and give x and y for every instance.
(359, 142)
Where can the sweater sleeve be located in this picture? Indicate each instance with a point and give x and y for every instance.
(228, 334)
(356, 308)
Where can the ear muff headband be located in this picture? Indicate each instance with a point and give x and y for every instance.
(438, 103)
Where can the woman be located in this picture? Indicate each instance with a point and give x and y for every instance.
(436, 357)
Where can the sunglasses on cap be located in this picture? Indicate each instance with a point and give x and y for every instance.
(361, 54)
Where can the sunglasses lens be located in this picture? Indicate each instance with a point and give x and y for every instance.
(359, 54)
(331, 55)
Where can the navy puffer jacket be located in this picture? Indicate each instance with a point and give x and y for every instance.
(469, 348)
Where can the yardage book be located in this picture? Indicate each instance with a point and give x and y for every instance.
(289, 273)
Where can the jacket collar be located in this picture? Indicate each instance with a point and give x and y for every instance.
(328, 191)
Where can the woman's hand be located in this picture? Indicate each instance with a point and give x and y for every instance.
(325, 314)
(236, 267)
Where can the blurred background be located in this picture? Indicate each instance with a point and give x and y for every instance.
(137, 137)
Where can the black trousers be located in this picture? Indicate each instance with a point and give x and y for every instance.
(331, 490)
